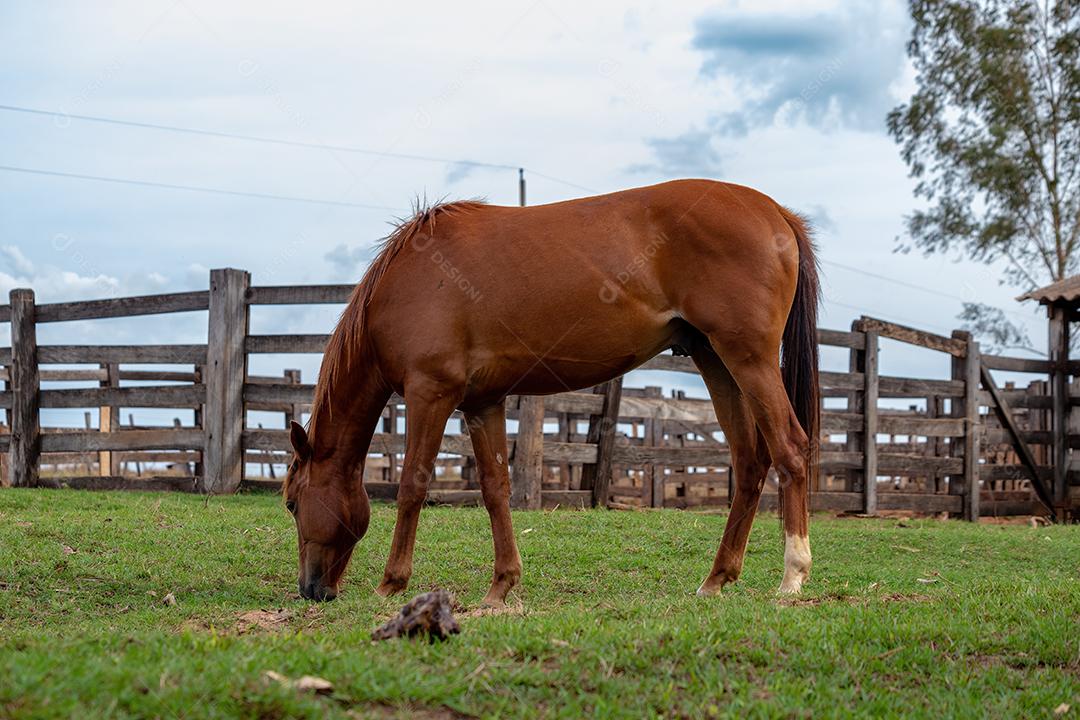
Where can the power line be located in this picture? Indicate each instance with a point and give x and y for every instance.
(253, 138)
(288, 143)
(564, 182)
(194, 188)
(896, 318)
(914, 286)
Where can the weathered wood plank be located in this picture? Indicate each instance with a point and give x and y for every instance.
(841, 338)
(833, 460)
(1059, 392)
(1005, 416)
(1019, 399)
(671, 363)
(226, 366)
(870, 422)
(387, 491)
(917, 388)
(921, 426)
(912, 336)
(701, 456)
(92, 440)
(972, 362)
(528, 455)
(159, 375)
(25, 444)
(162, 354)
(278, 393)
(841, 381)
(841, 422)
(903, 464)
(299, 294)
(286, 343)
(162, 396)
(579, 403)
(123, 307)
(96, 375)
(1012, 364)
(95, 482)
(578, 453)
(602, 434)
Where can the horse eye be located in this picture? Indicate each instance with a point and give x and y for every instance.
(290, 505)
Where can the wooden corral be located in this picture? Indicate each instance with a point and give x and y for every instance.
(959, 445)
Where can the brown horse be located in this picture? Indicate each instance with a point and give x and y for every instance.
(467, 303)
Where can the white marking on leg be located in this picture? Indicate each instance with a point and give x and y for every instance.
(796, 563)
(706, 589)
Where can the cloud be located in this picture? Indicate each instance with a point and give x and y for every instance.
(54, 284)
(456, 172)
(833, 70)
(347, 262)
(821, 219)
(16, 261)
(691, 153)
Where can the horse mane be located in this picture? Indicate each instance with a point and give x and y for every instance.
(348, 337)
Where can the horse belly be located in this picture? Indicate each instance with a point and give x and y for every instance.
(571, 352)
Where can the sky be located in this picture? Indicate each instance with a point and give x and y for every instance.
(787, 97)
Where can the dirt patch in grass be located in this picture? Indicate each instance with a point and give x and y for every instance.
(380, 710)
(257, 621)
(517, 608)
(852, 599)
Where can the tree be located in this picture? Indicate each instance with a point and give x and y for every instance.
(992, 135)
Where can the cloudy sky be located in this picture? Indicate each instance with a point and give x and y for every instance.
(788, 97)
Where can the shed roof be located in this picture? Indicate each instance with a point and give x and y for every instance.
(1063, 291)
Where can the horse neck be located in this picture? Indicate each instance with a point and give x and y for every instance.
(344, 423)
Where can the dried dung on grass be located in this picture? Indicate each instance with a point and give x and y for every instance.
(430, 614)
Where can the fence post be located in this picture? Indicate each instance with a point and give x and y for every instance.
(870, 423)
(25, 449)
(528, 475)
(602, 434)
(971, 365)
(1059, 393)
(853, 480)
(226, 369)
(109, 421)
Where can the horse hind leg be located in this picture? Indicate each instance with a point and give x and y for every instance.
(750, 463)
(757, 373)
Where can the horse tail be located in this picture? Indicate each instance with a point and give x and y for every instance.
(799, 354)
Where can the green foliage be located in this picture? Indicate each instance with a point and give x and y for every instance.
(918, 618)
(997, 333)
(993, 133)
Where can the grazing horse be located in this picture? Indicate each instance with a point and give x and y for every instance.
(467, 303)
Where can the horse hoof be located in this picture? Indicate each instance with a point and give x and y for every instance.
(388, 588)
(495, 603)
(790, 587)
(711, 587)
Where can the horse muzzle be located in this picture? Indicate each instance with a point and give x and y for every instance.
(315, 590)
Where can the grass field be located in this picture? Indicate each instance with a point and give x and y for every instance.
(916, 617)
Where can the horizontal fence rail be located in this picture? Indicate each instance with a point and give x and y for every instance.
(962, 445)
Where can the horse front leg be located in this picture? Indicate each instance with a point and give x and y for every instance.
(487, 429)
(426, 413)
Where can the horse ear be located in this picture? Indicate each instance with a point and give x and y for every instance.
(298, 437)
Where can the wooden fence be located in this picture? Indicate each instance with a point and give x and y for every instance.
(961, 445)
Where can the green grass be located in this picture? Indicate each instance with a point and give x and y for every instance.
(607, 623)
